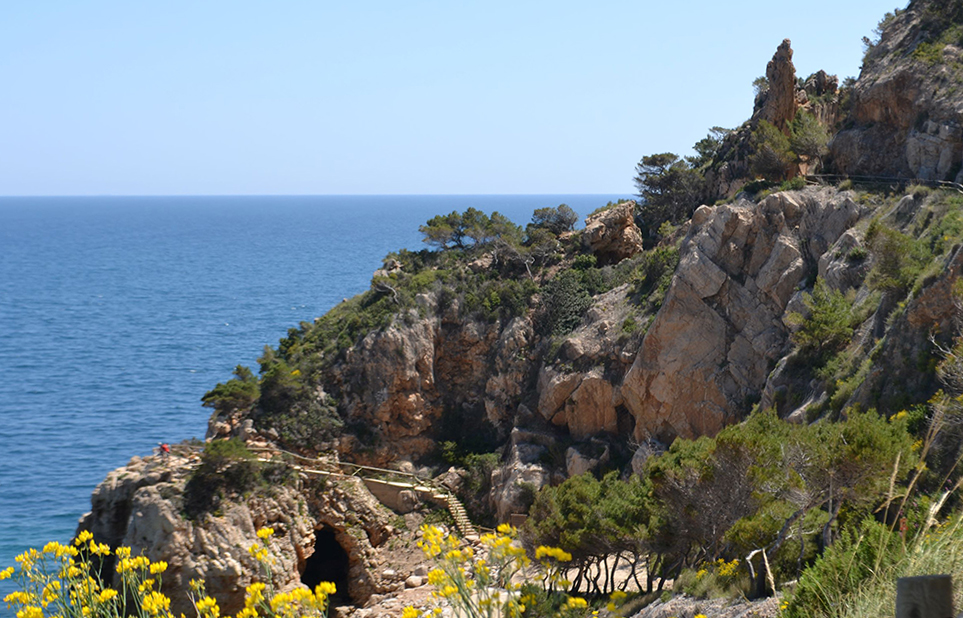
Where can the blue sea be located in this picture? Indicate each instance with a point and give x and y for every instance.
(118, 313)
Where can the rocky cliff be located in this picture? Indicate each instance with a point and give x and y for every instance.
(906, 110)
(521, 357)
(644, 361)
(679, 352)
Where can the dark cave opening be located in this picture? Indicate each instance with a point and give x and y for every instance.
(328, 563)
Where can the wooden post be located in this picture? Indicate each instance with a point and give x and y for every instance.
(926, 596)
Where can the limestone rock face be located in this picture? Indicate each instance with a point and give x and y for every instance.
(780, 104)
(905, 121)
(720, 330)
(580, 391)
(521, 474)
(398, 381)
(139, 506)
(612, 234)
(511, 366)
(396, 367)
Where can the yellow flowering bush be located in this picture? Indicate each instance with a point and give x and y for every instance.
(63, 581)
(487, 585)
(713, 579)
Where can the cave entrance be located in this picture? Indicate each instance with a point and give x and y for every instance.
(328, 563)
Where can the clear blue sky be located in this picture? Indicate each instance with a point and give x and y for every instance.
(372, 97)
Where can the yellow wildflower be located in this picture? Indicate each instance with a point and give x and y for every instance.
(27, 559)
(100, 549)
(154, 603)
(51, 592)
(325, 588)
(436, 577)
(158, 567)
(556, 553)
(6, 573)
(83, 537)
(577, 603)
(264, 533)
(31, 611)
(19, 597)
(254, 594)
(123, 552)
(410, 612)
(258, 553)
(106, 595)
(208, 607)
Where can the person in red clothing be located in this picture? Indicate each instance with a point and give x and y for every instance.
(165, 449)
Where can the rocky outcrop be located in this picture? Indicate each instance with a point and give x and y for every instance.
(139, 506)
(720, 331)
(779, 107)
(779, 104)
(525, 472)
(612, 234)
(397, 382)
(580, 390)
(905, 119)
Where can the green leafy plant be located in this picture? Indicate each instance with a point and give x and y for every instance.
(829, 325)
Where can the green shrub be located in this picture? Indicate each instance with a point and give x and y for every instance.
(236, 395)
(714, 580)
(584, 261)
(808, 138)
(843, 569)
(653, 275)
(477, 485)
(772, 155)
(564, 302)
(857, 254)
(919, 192)
(556, 220)
(794, 184)
(897, 258)
(227, 468)
(498, 299)
(289, 404)
(829, 325)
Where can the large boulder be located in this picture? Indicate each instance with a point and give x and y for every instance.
(612, 235)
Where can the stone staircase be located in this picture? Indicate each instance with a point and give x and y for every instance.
(457, 511)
